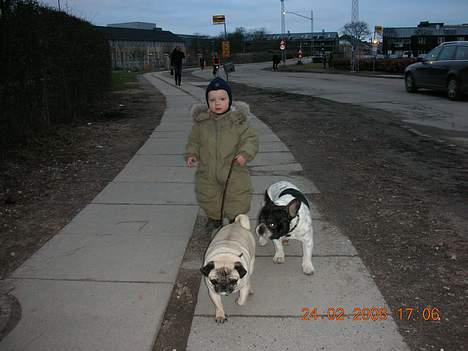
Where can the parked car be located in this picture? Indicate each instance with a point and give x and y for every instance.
(444, 68)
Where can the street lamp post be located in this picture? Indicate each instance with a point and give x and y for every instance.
(311, 18)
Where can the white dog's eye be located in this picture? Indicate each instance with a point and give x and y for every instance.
(212, 281)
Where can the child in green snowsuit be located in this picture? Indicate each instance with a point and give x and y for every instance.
(219, 134)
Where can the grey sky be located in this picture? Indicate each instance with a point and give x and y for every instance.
(190, 16)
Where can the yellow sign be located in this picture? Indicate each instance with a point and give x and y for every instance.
(218, 19)
(378, 29)
(226, 48)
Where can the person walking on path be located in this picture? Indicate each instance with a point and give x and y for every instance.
(202, 63)
(177, 57)
(216, 64)
(276, 61)
(221, 138)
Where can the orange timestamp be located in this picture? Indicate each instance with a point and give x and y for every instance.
(370, 314)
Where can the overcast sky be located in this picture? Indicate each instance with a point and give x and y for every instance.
(190, 16)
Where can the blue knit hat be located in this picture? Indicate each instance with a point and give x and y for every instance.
(219, 84)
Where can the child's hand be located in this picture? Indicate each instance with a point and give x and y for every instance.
(191, 161)
(241, 160)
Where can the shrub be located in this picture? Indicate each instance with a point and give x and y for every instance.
(53, 67)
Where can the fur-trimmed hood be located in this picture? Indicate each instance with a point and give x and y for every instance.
(239, 112)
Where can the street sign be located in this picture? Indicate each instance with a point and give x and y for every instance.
(218, 19)
(282, 45)
(378, 29)
(226, 48)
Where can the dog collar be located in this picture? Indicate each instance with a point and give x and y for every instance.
(297, 222)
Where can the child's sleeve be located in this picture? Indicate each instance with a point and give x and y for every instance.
(192, 149)
(248, 145)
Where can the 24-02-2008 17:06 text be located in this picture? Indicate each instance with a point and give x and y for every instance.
(371, 314)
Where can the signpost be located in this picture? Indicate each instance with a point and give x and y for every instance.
(282, 45)
(226, 48)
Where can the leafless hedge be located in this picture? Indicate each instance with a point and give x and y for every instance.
(53, 66)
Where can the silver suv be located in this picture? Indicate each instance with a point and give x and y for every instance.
(444, 68)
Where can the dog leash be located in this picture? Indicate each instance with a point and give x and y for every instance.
(225, 188)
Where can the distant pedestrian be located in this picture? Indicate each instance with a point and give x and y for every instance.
(324, 61)
(202, 63)
(330, 60)
(216, 64)
(177, 57)
(276, 60)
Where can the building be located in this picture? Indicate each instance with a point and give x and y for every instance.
(321, 42)
(413, 41)
(140, 45)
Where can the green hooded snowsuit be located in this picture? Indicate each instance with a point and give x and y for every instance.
(214, 141)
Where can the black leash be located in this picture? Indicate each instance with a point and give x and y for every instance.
(225, 188)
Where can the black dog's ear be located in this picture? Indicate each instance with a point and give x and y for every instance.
(293, 207)
(207, 269)
(240, 268)
(267, 199)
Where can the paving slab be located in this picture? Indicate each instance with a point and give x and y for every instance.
(267, 136)
(283, 169)
(107, 258)
(174, 126)
(272, 158)
(133, 220)
(282, 334)
(147, 194)
(153, 173)
(162, 147)
(91, 316)
(172, 135)
(328, 241)
(159, 160)
(272, 146)
(261, 182)
(337, 282)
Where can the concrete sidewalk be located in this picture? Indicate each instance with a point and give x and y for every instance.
(103, 283)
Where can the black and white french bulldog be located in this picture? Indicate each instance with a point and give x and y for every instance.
(286, 215)
(229, 263)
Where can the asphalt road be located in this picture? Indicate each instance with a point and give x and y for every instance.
(429, 109)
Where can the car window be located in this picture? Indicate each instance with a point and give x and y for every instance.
(447, 53)
(432, 55)
(462, 53)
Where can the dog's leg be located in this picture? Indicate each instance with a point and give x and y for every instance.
(307, 246)
(279, 252)
(216, 298)
(243, 293)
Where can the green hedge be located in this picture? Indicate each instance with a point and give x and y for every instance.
(53, 67)
(382, 65)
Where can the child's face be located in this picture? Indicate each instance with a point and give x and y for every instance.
(218, 101)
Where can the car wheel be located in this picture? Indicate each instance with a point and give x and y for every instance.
(453, 89)
(410, 83)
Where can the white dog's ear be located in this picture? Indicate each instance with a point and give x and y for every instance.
(240, 268)
(293, 207)
(207, 268)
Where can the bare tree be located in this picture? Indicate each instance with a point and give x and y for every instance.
(356, 31)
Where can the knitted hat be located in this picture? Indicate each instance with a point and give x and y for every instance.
(219, 84)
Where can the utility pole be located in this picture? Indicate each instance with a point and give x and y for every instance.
(354, 19)
(58, 1)
(283, 30)
(312, 36)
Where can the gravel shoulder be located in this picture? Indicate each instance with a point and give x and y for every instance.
(401, 198)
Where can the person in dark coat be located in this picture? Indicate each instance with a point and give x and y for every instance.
(276, 61)
(177, 57)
